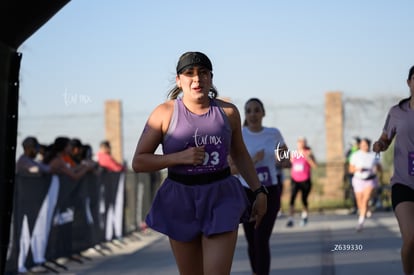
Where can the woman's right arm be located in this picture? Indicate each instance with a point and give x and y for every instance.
(145, 159)
(388, 134)
(382, 143)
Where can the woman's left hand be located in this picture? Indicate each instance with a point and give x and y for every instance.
(259, 209)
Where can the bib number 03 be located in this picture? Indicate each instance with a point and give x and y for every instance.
(212, 158)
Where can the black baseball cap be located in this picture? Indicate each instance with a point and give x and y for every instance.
(190, 59)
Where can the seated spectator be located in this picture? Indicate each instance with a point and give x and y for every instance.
(106, 160)
(26, 164)
(57, 160)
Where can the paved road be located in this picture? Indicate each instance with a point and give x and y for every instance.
(328, 245)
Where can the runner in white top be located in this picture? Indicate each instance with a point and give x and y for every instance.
(262, 143)
(364, 165)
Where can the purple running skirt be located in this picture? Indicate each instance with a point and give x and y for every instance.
(183, 212)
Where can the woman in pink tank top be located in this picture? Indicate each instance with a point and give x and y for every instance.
(302, 160)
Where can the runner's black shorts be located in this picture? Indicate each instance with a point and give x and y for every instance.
(401, 193)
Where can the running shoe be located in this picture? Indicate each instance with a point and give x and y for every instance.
(304, 221)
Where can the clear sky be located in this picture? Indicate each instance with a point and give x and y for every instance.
(287, 53)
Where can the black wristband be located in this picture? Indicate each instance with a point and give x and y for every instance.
(261, 189)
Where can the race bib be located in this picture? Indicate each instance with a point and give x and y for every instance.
(411, 163)
(298, 167)
(263, 174)
(214, 156)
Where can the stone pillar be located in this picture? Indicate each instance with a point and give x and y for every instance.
(334, 123)
(113, 128)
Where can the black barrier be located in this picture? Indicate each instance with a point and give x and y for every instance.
(55, 217)
(34, 200)
(140, 191)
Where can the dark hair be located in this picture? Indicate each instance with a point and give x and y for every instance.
(368, 141)
(57, 147)
(410, 74)
(30, 142)
(356, 139)
(86, 152)
(75, 142)
(255, 100)
(60, 144)
(187, 60)
(105, 143)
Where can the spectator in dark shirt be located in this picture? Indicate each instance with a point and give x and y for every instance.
(26, 164)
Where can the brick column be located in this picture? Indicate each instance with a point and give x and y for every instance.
(113, 128)
(334, 123)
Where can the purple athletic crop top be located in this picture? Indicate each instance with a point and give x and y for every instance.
(187, 129)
